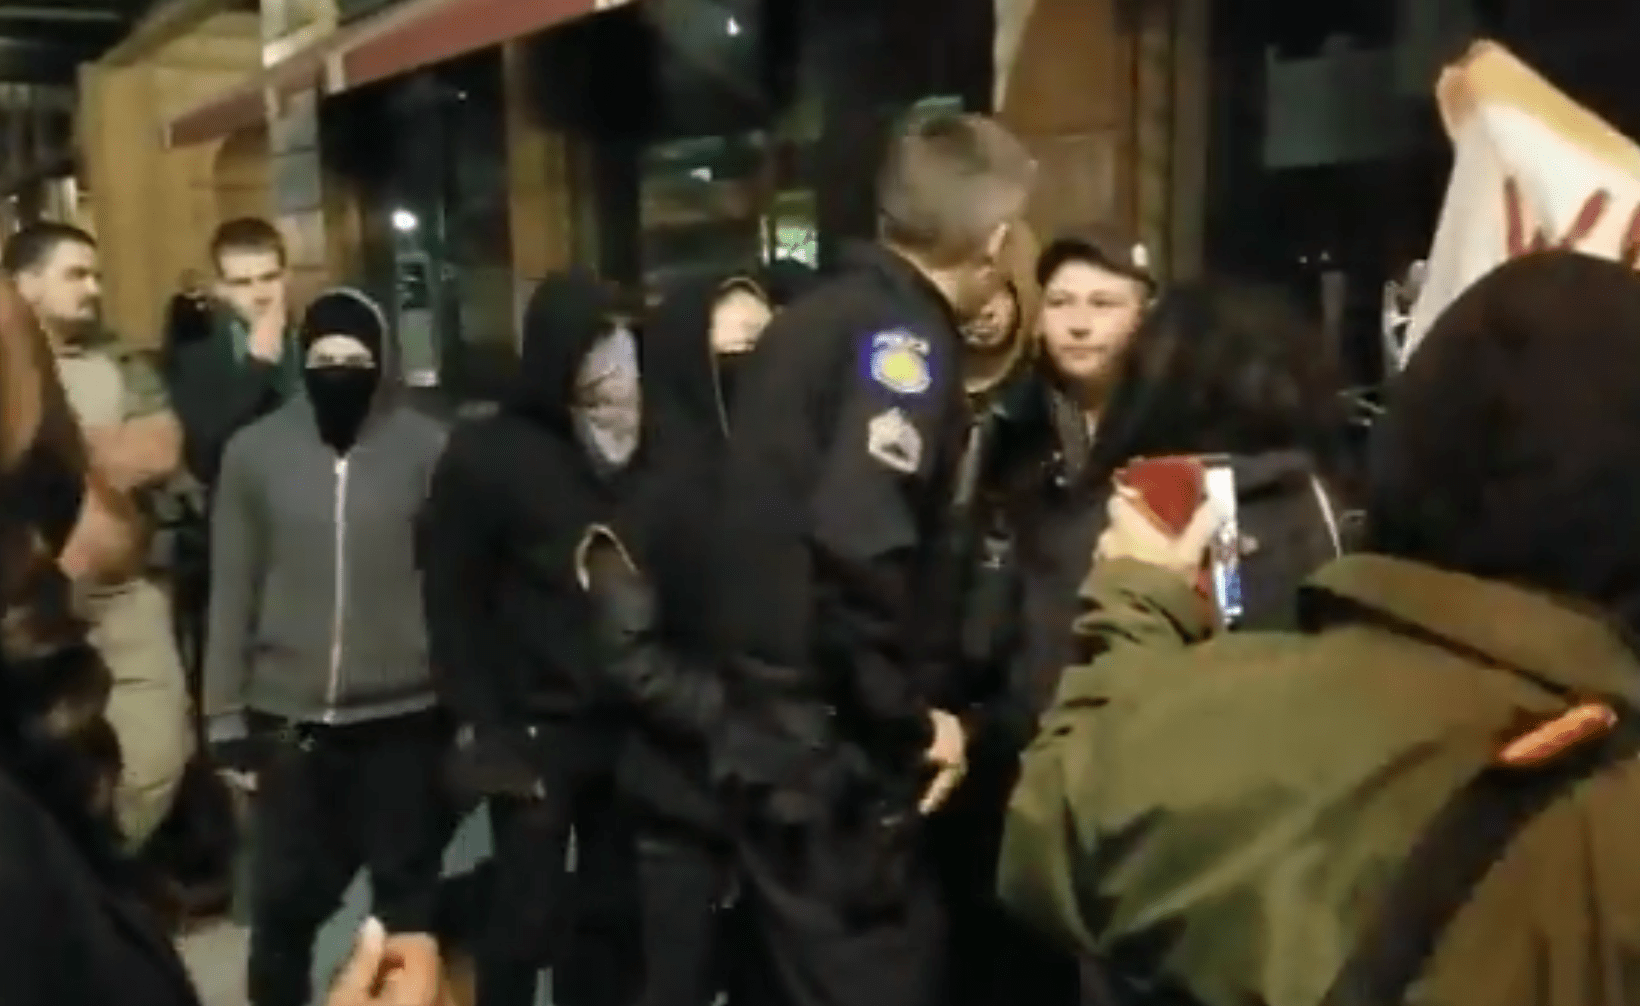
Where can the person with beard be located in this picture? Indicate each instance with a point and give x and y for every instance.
(510, 501)
(836, 488)
(317, 681)
(646, 576)
(1427, 789)
(135, 444)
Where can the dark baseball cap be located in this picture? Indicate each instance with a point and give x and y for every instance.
(1104, 249)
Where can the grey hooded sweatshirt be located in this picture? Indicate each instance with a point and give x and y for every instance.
(315, 610)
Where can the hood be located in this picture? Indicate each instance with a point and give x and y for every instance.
(346, 310)
(788, 279)
(680, 372)
(985, 373)
(564, 318)
(1509, 450)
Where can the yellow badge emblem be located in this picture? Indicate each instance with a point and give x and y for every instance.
(899, 362)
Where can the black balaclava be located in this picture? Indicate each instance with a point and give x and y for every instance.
(342, 396)
(1511, 447)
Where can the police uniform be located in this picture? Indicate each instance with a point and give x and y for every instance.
(848, 421)
(131, 622)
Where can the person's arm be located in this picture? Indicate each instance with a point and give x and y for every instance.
(238, 553)
(666, 690)
(1129, 604)
(146, 447)
(213, 403)
(460, 556)
(865, 533)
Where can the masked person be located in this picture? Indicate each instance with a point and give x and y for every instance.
(848, 422)
(659, 655)
(1363, 808)
(510, 501)
(317, 679)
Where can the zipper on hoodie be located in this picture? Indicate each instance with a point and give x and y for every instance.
(339, 611)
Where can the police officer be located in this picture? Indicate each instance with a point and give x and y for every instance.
(852, 415)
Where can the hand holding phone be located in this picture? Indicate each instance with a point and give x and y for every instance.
(1179, 513)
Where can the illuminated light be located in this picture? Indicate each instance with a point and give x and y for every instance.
(404, 221)
(733, 27)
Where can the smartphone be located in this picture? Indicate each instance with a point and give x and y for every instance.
(1224, 555)
(1172, 489)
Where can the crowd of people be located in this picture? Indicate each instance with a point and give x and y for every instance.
(805, 645)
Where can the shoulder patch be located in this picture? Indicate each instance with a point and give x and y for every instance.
(898, 361)
(893, 440)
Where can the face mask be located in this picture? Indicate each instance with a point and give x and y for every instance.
(341, 398)
(608, 400)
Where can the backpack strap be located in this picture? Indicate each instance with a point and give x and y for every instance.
(1449, 860)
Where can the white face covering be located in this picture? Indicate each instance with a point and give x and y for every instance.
(608, 403)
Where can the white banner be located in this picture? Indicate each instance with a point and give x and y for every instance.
(1532, 169)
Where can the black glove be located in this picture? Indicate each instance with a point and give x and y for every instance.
(494, 761)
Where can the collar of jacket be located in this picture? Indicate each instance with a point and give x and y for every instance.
(1568, 650)
(899, 273)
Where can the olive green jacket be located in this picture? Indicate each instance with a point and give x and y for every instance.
(1222, 817)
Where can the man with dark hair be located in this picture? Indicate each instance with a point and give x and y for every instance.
(832, 745)
(243, 366)
(135, 444)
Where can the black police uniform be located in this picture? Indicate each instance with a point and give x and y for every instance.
(848, 420)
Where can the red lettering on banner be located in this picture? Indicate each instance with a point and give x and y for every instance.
(1516, 221)
(1628, 249)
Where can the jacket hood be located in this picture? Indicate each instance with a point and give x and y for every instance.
(1509, 450)
(680, 371)
(564, 318)
(346, 310)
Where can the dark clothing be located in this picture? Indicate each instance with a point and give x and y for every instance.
(685, 886)
(331, 800)
(543, 914)
(216, 390)
(510, 500)
(518, 663)
(848, 422)
(672, 691)
(73, 936)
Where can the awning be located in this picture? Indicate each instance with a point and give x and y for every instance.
(408, 36)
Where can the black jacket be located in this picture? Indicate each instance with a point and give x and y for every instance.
(74, 937)
(665, 666)
(510, 500)
(848, 421)
(214, 394)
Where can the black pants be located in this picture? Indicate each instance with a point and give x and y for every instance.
(580, 922)
(333, 800)
(807, 954)
(686, 889)
(993, 959)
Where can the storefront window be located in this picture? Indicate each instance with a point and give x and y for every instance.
(426, 155)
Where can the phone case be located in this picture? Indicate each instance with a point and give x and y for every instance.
(1171, 488)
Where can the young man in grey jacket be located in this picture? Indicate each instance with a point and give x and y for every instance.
(317, 684)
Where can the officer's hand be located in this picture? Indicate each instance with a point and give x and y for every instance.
(399, 970)
(949, 755)
(1131, 534)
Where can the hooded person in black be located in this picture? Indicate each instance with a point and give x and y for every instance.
(508, 622)
(660, 659)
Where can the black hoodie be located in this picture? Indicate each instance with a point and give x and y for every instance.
(673, 691)
(514, 492)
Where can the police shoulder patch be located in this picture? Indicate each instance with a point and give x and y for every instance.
(893, 440)
(898, 361)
